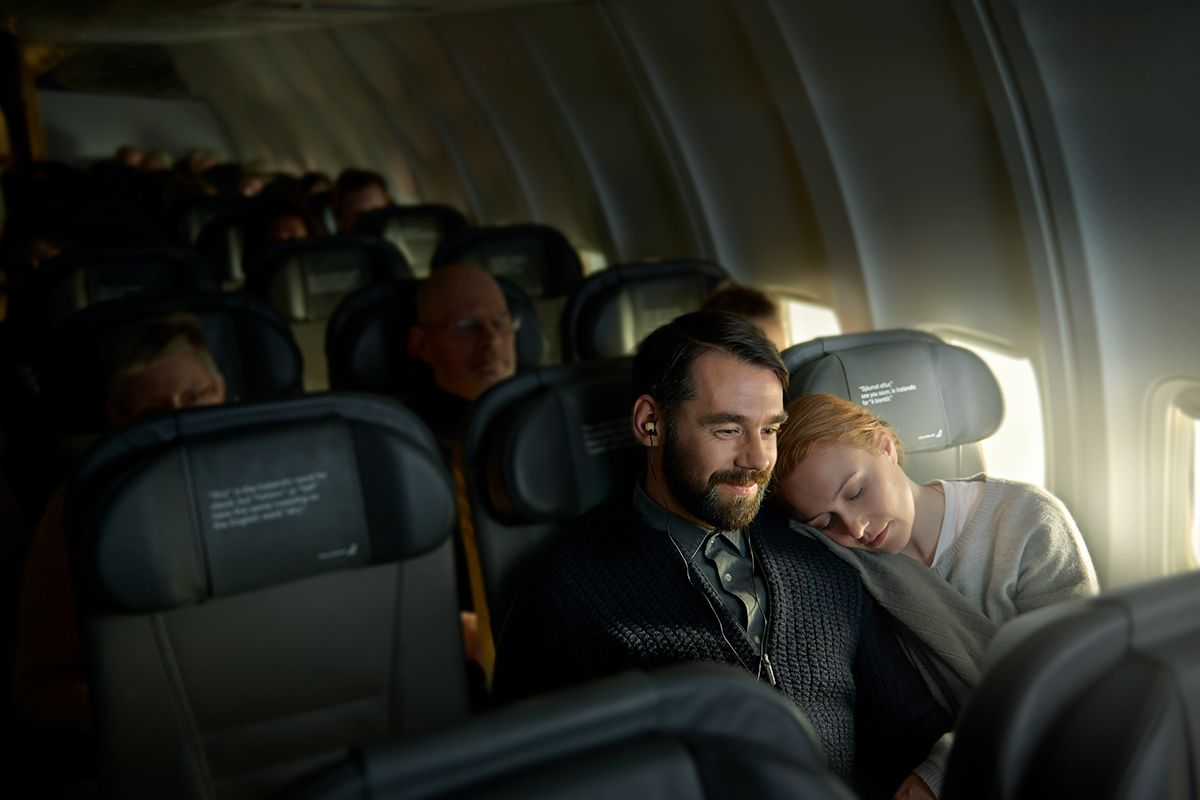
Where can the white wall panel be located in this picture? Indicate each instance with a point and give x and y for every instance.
(489, 54)
(723, 119)
(596, 93)
(1121, 84)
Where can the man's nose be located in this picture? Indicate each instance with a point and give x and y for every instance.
(758, 452)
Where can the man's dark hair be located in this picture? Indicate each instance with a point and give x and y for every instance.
(663, 365)
(741, 300)
(353, 180)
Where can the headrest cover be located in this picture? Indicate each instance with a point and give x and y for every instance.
(556, 455)
(935, 395)
(252, 346)
(537, 258)
(225, 500)
(306, 279)
(613, 311)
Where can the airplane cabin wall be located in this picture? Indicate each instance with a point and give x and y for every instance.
(1020, 169)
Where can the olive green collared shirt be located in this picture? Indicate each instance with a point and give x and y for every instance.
(728, 562)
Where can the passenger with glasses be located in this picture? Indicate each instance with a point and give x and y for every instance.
(467, 335)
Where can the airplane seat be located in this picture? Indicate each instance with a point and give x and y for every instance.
(942, 400)
(321, 205)
(82, 278)
(251, 344)
(609, 313)
(1095, 697)
(538, 258)
(191, 220)
(305, 280)
(415, 230)
(366, 342)
(220, 243)
(690, 731)
(261, 587)
(539, 451)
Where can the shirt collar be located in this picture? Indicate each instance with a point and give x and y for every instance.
(686, 533)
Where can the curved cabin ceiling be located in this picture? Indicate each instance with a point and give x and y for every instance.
(169, 21)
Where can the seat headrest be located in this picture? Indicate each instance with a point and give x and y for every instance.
(692, 702)
(83, 278)
(612, 311)
(537, 258)
(253, 347)
(206, 502)
(220, 243)
(555, 442)
(934, 394)
(366, 342)
(188, 224)
(305, 279)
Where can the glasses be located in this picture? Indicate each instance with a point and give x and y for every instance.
(467, 328)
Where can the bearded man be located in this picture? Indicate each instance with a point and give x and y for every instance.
(686, 569)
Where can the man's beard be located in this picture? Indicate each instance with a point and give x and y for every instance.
(699, 495)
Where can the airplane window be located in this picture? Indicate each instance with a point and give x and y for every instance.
(1193, 498)
(807, 320)
(1018, 449)
(1173, 467)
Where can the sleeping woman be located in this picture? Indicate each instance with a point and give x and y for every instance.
(1008, 547)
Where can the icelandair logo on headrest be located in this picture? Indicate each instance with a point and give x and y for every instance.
(937, 435)
(345, 552)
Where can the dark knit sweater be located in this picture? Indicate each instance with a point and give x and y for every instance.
(615, 595)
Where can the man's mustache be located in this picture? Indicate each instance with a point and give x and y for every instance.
(739, 477)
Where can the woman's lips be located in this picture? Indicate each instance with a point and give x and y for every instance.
(878, 538)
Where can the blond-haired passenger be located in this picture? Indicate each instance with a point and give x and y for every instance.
(1008, 547)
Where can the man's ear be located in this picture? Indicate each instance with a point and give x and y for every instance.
(418, 343)
(220, 388)
(647, 422)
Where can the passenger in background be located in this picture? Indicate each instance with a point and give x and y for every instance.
(313, 183)
(752, 305)
(685, 569)
(275, 217)
(153, 365)
(155, 161)
(464, 331)
(1008, 547)
(356, 192)
(128, 156)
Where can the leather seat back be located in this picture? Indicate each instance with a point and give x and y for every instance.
(416, 231)
(693, 731)
(251, 344)
(306, 279)
(79, 279)
(221, 243)
(540, 450)
(1094, 698)
(941, 399)
(261, 587)
(188, 223)
(610, 313)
